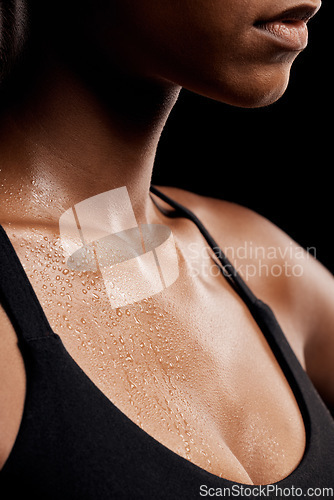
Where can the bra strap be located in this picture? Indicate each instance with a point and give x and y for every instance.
(18, 297)
(227, 269)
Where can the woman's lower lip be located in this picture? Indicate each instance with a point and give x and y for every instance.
(292, 35)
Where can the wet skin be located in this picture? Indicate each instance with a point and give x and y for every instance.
(177, 364)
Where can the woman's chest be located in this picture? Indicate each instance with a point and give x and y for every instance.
(191, 368)
(201, 381)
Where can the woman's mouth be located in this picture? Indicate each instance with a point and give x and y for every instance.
(288, 28)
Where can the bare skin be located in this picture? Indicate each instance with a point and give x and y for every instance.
(189, 365)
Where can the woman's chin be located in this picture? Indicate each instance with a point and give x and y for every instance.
(255, 88)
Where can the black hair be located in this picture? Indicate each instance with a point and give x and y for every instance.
(13, 29)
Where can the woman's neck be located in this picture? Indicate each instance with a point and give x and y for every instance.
(69, 138)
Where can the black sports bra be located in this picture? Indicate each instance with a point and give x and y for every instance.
(74, 444)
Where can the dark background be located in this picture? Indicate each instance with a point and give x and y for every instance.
(276, 160)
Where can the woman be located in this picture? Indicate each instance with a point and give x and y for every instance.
(193, 389)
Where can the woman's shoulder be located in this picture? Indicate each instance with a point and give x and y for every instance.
(12, 386)
(249, 237)
(298, 288)
(218, 212)
(232, 224)
(279, 271)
